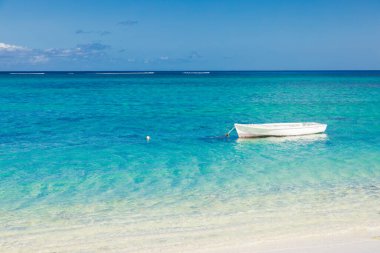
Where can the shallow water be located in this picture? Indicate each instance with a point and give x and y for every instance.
(75, 165)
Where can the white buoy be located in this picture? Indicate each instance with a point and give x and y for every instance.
(147, 138)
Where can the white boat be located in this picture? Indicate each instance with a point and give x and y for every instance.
(279, 129)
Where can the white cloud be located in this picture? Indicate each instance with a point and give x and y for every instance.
(11, 48)
(39, 59)
(95, 49)
(19, 55)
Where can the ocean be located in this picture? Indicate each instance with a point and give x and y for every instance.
(78, 175)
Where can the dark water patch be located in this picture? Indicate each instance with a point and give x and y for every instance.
(218, 138)
(339, 118)
(71, 119)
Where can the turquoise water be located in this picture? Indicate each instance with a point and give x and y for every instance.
(75, 164)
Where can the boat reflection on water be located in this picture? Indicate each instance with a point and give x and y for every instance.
(304, 139)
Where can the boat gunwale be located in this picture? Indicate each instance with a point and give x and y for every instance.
(286, 126)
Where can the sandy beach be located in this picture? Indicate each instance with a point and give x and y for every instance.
(317, 244)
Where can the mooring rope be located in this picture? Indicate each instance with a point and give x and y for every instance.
(228, 133)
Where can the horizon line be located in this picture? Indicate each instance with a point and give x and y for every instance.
(187, 70)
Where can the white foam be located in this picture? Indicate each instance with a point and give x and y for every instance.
(26, 73)
(126, 73)
(196, 72)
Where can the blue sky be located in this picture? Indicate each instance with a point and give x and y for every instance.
(189, 35)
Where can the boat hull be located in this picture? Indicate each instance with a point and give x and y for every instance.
(278, 129)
